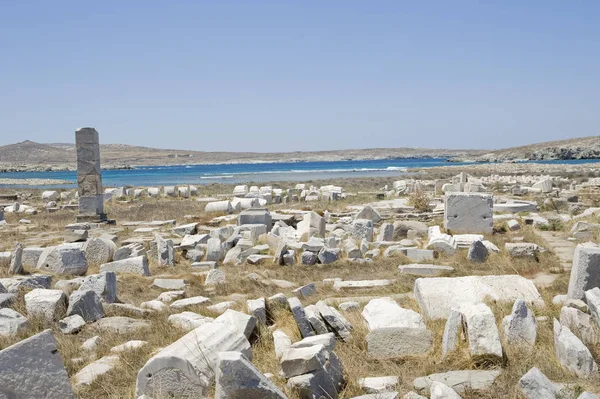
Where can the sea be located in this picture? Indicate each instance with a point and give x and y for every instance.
(248, 172)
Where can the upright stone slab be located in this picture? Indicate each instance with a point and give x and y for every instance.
(585, 273)
(33, 368)
(469, 212)
(89, 177)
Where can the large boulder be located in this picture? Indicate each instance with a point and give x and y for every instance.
(63, 259)
(33, 368)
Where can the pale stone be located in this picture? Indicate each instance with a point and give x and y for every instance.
(520, 327)
(425, 270)
(362, 229)
(63, 259)
(459, 380)
(169, 283)
(240, 322)
(312, 225)
(442, 391)
(12, 323)
(585, 273)
(436, 296)
(215, 277)
(103, 284)
(88, 374)
(50, 305)
(137, 265)
(468, 213)
(121, 325)
(196, 300)
(299, 361)
(128, 346)
(535, 385)
(334, 320)
(452, 331)
(482, 333)
(394, 331)
(369, 213)
(99, 251)
(71, 324)
(186, 367)
(571, 353)
(580, 324)
(281, 342)
(376, 385)
(257, 308)
(188, 320)
(314, 318)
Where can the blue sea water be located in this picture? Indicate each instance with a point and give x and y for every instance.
(244, 173)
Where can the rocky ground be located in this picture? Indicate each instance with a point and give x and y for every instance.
(348, 294)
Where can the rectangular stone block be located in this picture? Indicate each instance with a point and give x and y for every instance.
(585, 273)
(469, 213)
(91, 205)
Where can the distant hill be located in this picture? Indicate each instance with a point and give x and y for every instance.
(577, 148)
(29, 155)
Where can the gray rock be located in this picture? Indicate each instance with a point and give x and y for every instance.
(535, 385)
(63, 259)
(585, 273)
(121, 325)
(482, 333)
(33, 368)
(238, 378)
(314, 318)
(103, 284)
(478, 252)
(580, 324)
(425, 270)
(87, 304)
(317, 384)
(300, 317)
(16, 263)
(520, 327)
(165, 251)
(308, 258)
(99, 251)
(328, 255)
(214, 250)
(215, 277)
(257, 308)
(334, 320)
(452, 332)
(571, 353)
(386, 232)
(592, 298)
(362, 229)
(299, 361)
(12, 323)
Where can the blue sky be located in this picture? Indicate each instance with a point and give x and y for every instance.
(300, 75)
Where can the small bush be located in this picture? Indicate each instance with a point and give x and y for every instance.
(419, 199)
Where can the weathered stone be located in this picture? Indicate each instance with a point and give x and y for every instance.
(137, 265)
(215, 277)
(316, 384)
(362, 229)
(240, 322)
(425, 270)
(520, 327)
(103, 284)
(169, 283)
(522, 249)
(86, 304)
(478, 252)
(281, 342)
(328, 255)
(88, 374)
(236, 377)
(314, 318)
(459, 380)
(442, 391)
(33, 368)
(99, 251)
(186, 367)
(31, 255)
(89, 177)
(377, 385)
(443, 243)
(386, 232)
(312, 225)
(196, 300)
(585, 273)
(394, 331)
(164, 251)
(71, 324)
(452, 331)
(63, 259)
(436, 296)
(482, 333)
(334, 320)
(592, 298)
(257, 308)
(214, 250)
(16, 263)
(50, 305)
(12, 323)
(305, 291)
(128, 346)
(369, 213)
(300, 317)
(188, 320)
(121, 325)
(571, 353)
(299, 361)
(535, 385)
(580, 324)
(468, 213)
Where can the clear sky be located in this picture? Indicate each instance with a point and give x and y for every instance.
(300, 75)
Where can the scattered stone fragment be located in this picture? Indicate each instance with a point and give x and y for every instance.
(452, 332)
(238, 321)
(520, 327)
(16, 263)
(425, 270)
(33, 368)
(91, 344)
(258, 309)
(300, 317)
(458, 380)
(580, 324)
(442, 391)
(215, 277)
(478, 252)
(103, 284)
(585, 273)
(522, 249)
(535, 385)
(314, 318)
(349, 306)
(12, 323)
(137, 265)
(127, 346)
(99, 251)
(571, 353)
(394, 331)
(236, 377)
(88, 374)
(334, 320)
(196, 300)
(63, 259)
(376, 385)
(86, 304)
(71, 324)
(121, 324)
(50, 305)
(165, 251)
(482, 333)
(169, 283)
(305, 291)
(299, 361)
(188, 320)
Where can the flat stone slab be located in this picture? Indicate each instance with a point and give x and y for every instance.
(169, 283)
(459, 380)
(436, 296)
(89, 373)
(425, 270)
(340, 285)
(196, 300)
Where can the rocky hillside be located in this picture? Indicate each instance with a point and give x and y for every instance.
(28, 155)
(578, 148)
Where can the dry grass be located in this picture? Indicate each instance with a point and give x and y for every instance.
(120, 382)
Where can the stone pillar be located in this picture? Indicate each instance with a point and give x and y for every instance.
(89, 177)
